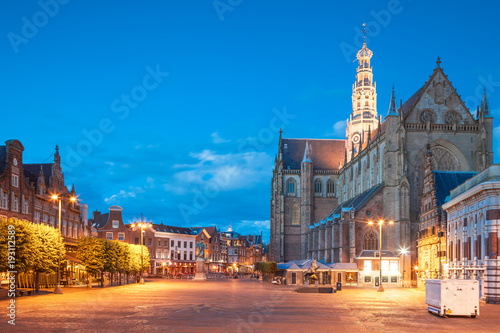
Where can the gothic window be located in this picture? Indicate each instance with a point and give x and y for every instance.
(330, 187)
(290, 187)
(294, 215)
(452, 117)
(426, 116)
(318, 187)
(371, 240)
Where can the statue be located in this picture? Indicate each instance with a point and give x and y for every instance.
(311, 272)
(200, 250)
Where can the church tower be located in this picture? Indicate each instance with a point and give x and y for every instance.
(364, 103)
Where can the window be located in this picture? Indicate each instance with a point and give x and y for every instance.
(165, 244)
(159, 242)
(165, 254)
(185, 255)
(393, 266)
(4, 200)
(191, 245)
(136, 242)
(172, 243)
(158, 254)
(318, 187)
(172, 255)
(178, 243)
(290, 187)
(330, 187)
(25, 206)
(394, 279)
(191, 255)
(45, 217)
(295, 218)
(116, 224)
(37, 215)
(109, 235)
(15, 202)
(185, 245)
(368, 279)
(150, 242)
(75, 233)
(15, 180)
(121, 236)
(370, 241)
(385, 265)
(367, 266)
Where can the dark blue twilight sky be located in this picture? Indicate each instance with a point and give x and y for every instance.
(196, 146)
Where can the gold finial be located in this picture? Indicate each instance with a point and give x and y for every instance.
(364, 31)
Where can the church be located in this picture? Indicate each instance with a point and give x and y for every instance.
(325, 192)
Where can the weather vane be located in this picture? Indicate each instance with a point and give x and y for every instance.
(364, 31)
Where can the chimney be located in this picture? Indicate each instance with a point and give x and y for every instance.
(95, 214)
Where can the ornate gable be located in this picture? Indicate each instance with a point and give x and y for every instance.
(437, 102)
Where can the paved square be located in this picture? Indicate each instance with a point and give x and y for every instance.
(235, 306)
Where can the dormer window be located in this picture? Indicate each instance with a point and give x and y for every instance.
(116, 224)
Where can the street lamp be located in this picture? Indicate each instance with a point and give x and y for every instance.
(380, 222)
(404, 252)
(142, 226)
(57, 289)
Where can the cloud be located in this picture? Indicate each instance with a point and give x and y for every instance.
(338, 130)
(217, 139)
(131, 193)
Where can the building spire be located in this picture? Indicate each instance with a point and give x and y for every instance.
(485, 105)
(392, 111)
(364, 31)
(306, 158)
(438, 62)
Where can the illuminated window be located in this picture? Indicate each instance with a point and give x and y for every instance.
(367, 266)
(295, 215)
(116, 224)
(394, 267)
(385, 265)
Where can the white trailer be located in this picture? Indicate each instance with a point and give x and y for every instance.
(452, 297)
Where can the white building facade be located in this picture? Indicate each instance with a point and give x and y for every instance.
(473, 230)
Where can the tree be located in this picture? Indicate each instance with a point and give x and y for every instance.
(91, 252)
(111, 258)
(49, 248)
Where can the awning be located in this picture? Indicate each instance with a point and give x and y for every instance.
(72, 258)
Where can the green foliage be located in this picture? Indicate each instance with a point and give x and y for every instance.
(91, 252)
(266, 267)
(37, 246)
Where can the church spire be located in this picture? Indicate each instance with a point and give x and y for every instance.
(485, 105)
(306, 158)
(364, 100)
(392, 104)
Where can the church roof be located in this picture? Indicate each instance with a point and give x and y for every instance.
(3, 158)
(447, 181)
(325, 154)
(357, 202)
(31, 172)
(100, 221)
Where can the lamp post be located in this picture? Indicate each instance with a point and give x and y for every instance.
(380, 223)
(404, 251)
(142, 226)
(57, 289)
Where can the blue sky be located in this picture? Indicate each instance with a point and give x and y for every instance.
(170, 108)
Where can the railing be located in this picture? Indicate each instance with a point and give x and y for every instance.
(442, 127)
(291, 171)
(70, 240)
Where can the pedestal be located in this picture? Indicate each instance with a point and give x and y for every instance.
(200, 269)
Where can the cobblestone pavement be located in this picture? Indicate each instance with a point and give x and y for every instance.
(235, 306)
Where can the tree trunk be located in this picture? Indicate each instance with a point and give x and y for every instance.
(102, 279)
(37, 282)
(90, 280)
